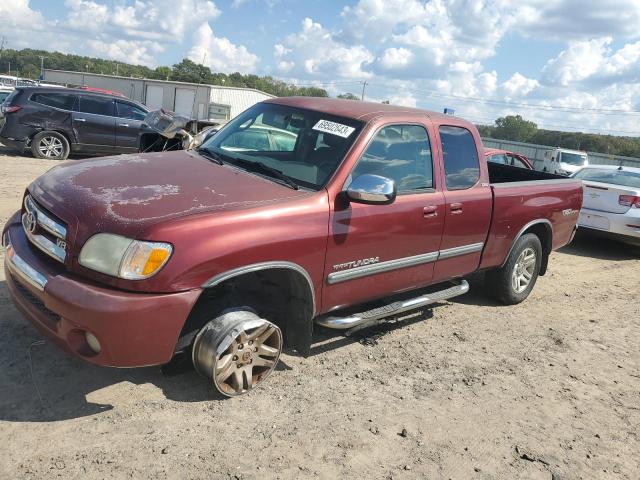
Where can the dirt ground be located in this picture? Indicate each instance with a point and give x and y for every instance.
(548, 389)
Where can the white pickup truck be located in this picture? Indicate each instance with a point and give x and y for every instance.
(563, 161)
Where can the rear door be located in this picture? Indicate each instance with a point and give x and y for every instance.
(95, 123)
(468, 204)
(378, 249)
(129, 125)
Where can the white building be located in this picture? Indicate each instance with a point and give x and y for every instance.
(214, 102)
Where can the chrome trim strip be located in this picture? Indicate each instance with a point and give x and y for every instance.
(44, 220)
(524, 229)
(389, 265)
(23, 270)
(256, 267)
(463, 250)
(363, 319)
(358, 272)
(44, 244)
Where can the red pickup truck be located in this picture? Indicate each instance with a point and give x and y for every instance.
(299, 212)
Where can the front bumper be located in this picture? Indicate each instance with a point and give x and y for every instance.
(134, 329)
(623, 224)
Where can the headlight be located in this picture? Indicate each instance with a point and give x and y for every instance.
(122, 257)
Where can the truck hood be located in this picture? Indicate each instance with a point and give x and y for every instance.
(126, 194)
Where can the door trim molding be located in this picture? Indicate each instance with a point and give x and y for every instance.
(404, 262)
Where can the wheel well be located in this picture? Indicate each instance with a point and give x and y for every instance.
(543, 232)
(44, 130)
(280, 295)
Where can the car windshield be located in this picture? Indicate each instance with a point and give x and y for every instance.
(623, 178)
(275, 140)
(573, 158)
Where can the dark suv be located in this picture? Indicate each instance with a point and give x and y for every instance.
(54, 122)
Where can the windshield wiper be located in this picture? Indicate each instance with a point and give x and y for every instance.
(274, 172)
(210, 155)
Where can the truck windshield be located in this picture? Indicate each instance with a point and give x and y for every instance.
(624, 178)
(573, 158)
(275, 141)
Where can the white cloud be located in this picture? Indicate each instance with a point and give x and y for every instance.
(577, 19)
(394, 58)
(140, 52)
(220, 54)
(316, 51)
(166, 19)
(519, 85)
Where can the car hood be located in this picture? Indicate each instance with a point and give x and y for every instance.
(126, 194)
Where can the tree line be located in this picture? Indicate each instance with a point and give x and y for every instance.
(517, 129)
(26, 63)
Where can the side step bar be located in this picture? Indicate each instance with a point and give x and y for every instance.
(393, 309)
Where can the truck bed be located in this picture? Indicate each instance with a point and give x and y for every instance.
(522, 197)
(506, 174)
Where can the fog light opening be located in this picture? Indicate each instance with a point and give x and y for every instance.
(93, 342)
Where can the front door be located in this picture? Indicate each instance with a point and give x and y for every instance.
(95, 124)
(129, 124)
(374, 250)
(468, 205)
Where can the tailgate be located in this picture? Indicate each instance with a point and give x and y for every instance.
(605, 196)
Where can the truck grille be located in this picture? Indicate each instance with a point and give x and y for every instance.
(44, 231)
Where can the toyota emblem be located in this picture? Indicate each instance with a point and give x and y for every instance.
(31, 222)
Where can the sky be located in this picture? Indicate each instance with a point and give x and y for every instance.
(570, 65)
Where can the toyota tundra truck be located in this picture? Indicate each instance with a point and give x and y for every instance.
(300, 212)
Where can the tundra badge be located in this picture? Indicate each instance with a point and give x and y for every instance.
(357, 263)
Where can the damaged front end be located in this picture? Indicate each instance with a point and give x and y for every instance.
(175, 132)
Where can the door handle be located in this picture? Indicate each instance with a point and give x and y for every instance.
(430, 211)
(80, 119)
(124, 124)
(455, 208)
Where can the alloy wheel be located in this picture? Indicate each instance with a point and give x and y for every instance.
(523, 270)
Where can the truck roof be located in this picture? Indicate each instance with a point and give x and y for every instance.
(357, 110)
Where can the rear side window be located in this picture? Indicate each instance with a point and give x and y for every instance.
(97, 105)
(501, 159)
(126, 110)
(64, 101)
(401, 153)
(461, 164)
(516, 162)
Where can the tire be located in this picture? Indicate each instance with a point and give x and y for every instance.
(50, 146)
(237, 350)
(509, 283)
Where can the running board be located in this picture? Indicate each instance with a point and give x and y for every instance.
(393, 309)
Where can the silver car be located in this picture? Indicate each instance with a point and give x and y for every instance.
(611, 200)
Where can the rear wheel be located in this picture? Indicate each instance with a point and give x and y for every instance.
(513, 282)
(50, 145)
(237, 350)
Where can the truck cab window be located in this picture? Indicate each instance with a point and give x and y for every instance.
(461, 164)
(401, 153)
(97, 106)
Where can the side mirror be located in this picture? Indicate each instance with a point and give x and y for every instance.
(372, 190)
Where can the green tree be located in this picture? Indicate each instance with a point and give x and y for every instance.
(348, 96)
(516, 128)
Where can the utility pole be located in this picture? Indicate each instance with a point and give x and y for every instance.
(364, 84)
(42, 67)
(117, 69)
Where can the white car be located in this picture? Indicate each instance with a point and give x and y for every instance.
(611, 200)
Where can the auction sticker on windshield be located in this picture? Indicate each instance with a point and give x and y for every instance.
(334, 128)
